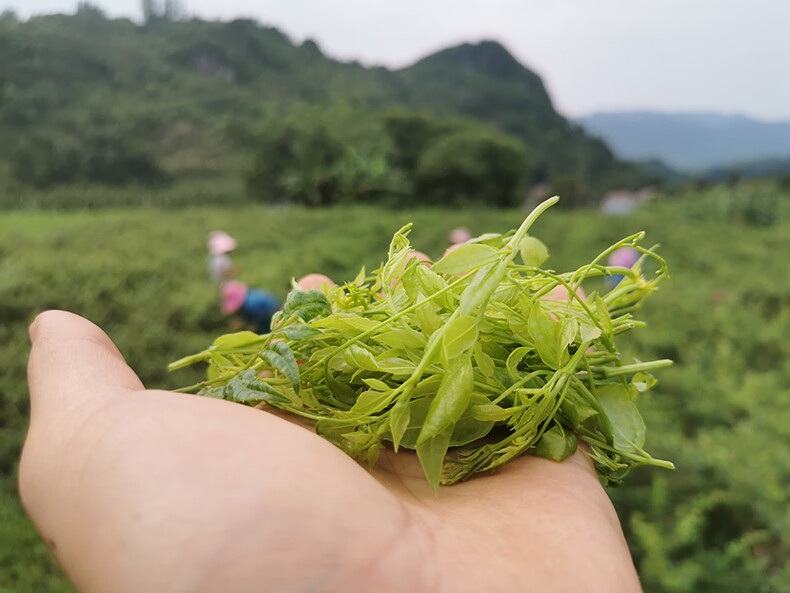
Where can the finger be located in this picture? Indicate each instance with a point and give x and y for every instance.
(582, 459)
(72, 362)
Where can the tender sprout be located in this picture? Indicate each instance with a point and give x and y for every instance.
(472, 361)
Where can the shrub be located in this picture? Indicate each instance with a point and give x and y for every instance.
(471, 167)
(44, 161)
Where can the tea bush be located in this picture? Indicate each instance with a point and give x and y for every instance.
(719, 522)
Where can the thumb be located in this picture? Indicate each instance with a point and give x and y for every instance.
(73, 364)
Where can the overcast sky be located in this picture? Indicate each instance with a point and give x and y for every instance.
(701, 55)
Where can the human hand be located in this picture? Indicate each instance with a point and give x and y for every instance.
(139, 490)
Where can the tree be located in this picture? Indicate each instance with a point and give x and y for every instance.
(94, 156)
(317, 156)
(472, 166)
(149, 11)
(9, 16)
(409, 132)
(295, 162)
(173, 10)
(167, 10)
(308, 164)
(85, 8)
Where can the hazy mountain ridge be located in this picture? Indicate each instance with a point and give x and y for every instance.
(692, 141)
(170, 86)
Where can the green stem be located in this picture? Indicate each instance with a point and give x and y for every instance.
(639, 458)
(630, 241)
(488, 286)
(630, 369)
(519, 383)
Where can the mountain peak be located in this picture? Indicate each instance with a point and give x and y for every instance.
(487, 57)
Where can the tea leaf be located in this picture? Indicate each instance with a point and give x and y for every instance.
(370, 402)
(244, 340)
(545, 333)
(401, 338)
(533, 252)
(485, 364)
(491, 413)
(431, 454)
(466, 258)
(459, 336)
(306, 305)
(588, 332)
(451, 400)
(432, 283)
(469, 427)
(428, 319)
(297, 332)
(576, 409)
(246, 388)
(515, 359)
(399, 421)
(376, 384)
(628, 428)
(557, 443)
(359, 357)
(279, 355)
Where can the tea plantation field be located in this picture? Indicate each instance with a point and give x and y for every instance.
(719, 523)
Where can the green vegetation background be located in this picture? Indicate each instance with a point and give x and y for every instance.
(720, 522)
(86, 101)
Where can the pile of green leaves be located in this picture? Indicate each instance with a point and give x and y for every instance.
(471, 361)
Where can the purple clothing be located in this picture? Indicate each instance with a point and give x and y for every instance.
(625, 257)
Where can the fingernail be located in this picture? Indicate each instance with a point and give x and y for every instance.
(33, 329)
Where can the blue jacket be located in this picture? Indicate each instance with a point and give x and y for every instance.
(258, 309)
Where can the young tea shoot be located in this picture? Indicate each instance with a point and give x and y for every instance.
(470, 361)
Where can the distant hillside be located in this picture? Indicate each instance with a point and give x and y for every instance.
(771, 167)
(690, 141)
(168, 90)
(486, 82)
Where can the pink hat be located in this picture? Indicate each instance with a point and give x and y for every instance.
(233, 295)
(419, 256)
(625, 257)
(560, 293)
(220, 242)
(315, 282)
(422, 260)
(460, 235)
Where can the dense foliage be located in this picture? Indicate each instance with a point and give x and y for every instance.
(434, 356)
(471, 167)
(89, 101)
(718, 523)
(322, 157)
(751, 204)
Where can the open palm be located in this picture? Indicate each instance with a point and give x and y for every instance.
(141, 490)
